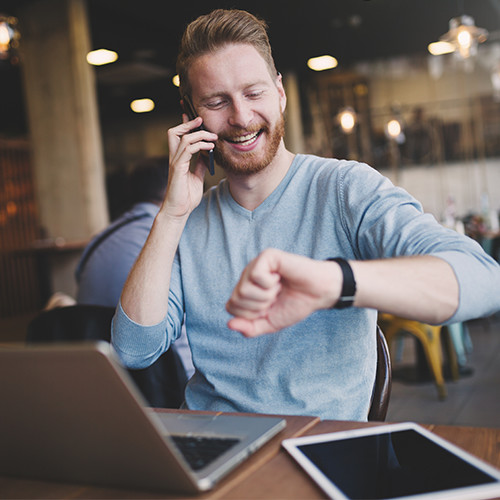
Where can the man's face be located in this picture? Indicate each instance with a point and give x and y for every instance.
(238, 99)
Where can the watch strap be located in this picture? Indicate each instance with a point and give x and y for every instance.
(348, 292)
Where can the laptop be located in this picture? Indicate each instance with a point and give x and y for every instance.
(397, 461)
(71, 413)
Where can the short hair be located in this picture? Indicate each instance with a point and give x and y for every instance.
(147, 182)
(212, 31)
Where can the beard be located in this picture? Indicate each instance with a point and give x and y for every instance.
(250, 162)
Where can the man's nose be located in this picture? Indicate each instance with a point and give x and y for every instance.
(241, 114)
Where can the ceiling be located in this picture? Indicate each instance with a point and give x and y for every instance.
(146, 35)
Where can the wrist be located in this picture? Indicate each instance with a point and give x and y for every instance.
(169, 215)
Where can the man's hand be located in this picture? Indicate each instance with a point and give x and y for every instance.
(185, 188)
(278, 289)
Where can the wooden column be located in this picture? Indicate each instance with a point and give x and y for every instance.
(294, 134)
(64, 126)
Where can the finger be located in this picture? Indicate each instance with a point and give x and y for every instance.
(262, 274)
(188, 130)
(176, 133)
(189, 145)
(192, 124)
(199, 136)
(247, 308)
(250, 291)
(246, 312)
(253, 301)
(251, 328)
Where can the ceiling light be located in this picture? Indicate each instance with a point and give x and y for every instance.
(101, 56)
(464, 35)
(321, 63)
(142, 105)
(176, 80)
(347, 119)
(393, 128)
(440, 48)
(9, 38)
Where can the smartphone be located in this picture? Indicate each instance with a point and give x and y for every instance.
(190, 111)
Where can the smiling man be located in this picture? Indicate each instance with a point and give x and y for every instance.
(321, 355)
(246, 112)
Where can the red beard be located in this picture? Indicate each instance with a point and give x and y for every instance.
(249, 162)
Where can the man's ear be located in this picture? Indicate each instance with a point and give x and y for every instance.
(281, 92)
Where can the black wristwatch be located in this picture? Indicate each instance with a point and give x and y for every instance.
(348, 292)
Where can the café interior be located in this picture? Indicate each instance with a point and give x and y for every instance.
(412, 88)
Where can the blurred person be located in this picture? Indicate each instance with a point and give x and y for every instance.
(419, 138)
(107, 260)
(320, 358)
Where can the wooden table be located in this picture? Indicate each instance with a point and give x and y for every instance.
(269, 473)
(281, 477)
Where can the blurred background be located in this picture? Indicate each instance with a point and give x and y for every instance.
(68, 134)
(88, 89)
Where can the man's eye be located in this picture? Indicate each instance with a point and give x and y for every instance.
(255, 94)
(215, 104)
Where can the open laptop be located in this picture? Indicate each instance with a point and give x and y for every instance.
(70, 412)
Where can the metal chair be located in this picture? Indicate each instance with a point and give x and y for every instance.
(383, 381)
(429, 337)
(162, 384)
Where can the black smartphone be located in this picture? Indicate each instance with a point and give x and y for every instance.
(190, 111)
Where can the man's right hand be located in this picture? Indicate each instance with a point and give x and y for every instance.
(278, 289)
(185, 188)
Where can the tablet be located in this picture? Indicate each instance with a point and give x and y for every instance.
(392, 461)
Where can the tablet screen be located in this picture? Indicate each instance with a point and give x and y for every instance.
(392, 464)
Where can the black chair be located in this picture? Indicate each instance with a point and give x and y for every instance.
(383, 381)
(162, 384)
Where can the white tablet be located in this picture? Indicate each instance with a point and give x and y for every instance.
(393, 461)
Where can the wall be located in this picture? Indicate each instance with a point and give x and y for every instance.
(441, 84)
(448, 90)
(470, 184)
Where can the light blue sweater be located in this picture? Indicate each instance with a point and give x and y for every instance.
(325, 365)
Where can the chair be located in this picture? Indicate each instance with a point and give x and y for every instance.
(162, 384)
(383, 381)
(430, 340)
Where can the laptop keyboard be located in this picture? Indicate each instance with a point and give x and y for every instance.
(199, 451)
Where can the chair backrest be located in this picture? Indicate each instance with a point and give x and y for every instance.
(383, 381)
(162, 384)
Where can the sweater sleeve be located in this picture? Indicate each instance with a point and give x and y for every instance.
(385, 221)
(478, 278)
(139, 346)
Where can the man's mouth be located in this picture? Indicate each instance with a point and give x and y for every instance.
(245, 140)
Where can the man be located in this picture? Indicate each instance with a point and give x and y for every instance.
(107, 260)
(316, 208)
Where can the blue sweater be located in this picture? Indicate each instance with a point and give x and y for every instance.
(325, 365)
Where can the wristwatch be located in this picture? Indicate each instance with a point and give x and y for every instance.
(348, 292)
